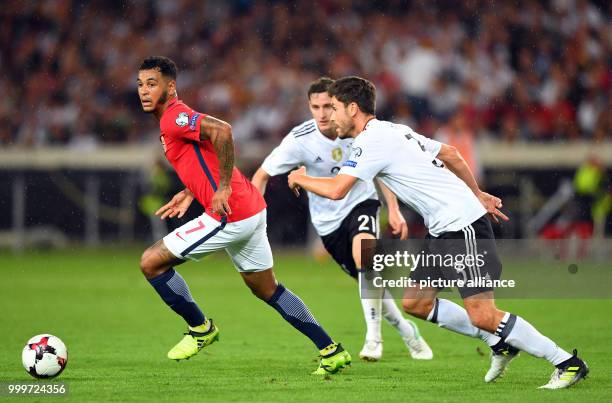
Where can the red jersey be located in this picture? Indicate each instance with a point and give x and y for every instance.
(197, 165)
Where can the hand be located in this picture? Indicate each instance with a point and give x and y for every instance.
(292, 178)
(177, 206)
(220, 204)
(492, 204)
(398, 224)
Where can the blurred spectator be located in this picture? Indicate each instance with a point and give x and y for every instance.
(458, 133)
(526, 70)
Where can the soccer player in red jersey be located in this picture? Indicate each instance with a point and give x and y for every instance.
(201, 150)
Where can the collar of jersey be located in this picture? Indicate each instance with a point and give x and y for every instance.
(172, 103)
(368, 124)
(330, 141)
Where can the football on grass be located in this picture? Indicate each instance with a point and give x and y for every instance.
(44, 356)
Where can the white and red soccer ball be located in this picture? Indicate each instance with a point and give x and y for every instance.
(44, 356)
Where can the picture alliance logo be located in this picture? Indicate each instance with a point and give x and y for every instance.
(412, 261)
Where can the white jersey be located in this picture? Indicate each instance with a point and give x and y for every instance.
(406, 163)
(322, 157)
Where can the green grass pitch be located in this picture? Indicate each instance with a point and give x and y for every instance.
(118, 332)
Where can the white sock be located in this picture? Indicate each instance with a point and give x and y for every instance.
(451, 316)
(406, 328)
(521, 334)
(372, 308)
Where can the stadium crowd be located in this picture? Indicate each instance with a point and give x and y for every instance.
(528, 70)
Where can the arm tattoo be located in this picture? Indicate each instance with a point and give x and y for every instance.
(220, 134)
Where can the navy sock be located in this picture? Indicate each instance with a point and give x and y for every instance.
(294, 311)
(172, 288)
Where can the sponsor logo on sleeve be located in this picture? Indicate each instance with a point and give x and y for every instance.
(349, 163)
(192, 121)
(357, 151)
(182, 119)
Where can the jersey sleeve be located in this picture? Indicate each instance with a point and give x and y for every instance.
(284, 157)
(182, 123)
(367, 159)
(430, 145)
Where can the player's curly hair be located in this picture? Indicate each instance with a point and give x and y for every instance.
(355, 89)
(319, 85)
(166, 66)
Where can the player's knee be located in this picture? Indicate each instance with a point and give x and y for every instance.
(482, 313)
(262, 292)
(145, 266)
(483, 319)
(356, 249)
(408, 305)
(417, 307)
(357, 258)
(261, 289)
(148, 264)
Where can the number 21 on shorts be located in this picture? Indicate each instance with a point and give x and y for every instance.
(365, 220)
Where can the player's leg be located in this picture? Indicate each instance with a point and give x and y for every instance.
(408, 330)
(424, 303)
(252, 257)
(517, 332)
(193, 239)
(511, 329)
(362, 224)
(378, 303)
(341, 245)
(449, 315)
(157, 264)
(371, 305)
(264, 286)
(461, 244)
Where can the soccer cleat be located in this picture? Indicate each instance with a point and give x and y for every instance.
(193, 342)
(572, 371)
(501, 355)
(371, 351)
(333, 362)
(418, 347)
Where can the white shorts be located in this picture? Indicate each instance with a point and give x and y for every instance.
(245, 241)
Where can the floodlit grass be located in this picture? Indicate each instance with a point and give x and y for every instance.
(118, 332)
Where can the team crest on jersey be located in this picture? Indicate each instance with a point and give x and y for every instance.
(337, 154)
(182, 119)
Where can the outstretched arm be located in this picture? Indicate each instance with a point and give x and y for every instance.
(333, 188)
(396, 219)
(260, 180)
(457, 165)
(220, 135)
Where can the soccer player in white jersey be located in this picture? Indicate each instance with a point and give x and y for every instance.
(434, 179)
(342, 224)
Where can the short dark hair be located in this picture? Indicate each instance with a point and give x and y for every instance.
(319, 85)
(355, 89)
(166, 66)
